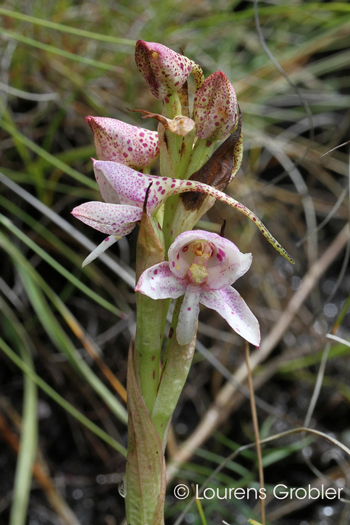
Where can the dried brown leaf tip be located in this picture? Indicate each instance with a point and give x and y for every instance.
(179, 125)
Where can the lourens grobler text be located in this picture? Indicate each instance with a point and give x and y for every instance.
(279, 492)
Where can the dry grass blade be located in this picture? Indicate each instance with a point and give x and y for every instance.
(256, 430)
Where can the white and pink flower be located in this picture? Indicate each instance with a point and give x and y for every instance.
(202, 266)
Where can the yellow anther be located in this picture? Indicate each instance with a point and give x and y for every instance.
(202, 249)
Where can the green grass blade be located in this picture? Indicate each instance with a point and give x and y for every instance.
(32, 282)
(217, 459)
(93, 273)
(58, 51)
(66, 29)
(122, 271)
(60, 400)
(306, 361)
(59, 268)
(201, 512)
(48, 157)
(65, 345)
(29, 428)
(49, 185)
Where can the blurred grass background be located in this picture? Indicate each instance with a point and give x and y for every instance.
(67, 330)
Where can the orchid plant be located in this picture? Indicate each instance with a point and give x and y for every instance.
(172, 261)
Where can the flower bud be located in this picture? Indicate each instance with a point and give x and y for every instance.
(215, 107)
(119, 142)
(164, 70)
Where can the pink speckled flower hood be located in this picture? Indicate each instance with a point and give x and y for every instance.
(164, 70)
(215, 107)
(120, 142)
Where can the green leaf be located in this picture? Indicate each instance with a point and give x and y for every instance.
(145, 469)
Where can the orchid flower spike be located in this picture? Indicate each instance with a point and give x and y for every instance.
(202, 266)
(215, 108)
(164, 70)
(124, 191)
(119, 142)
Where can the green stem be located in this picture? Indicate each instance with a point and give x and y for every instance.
(178, 361)
(148, 346)
(172, 106)
(186, 152)
(174, 214)
(200, 154)
(180, 173)
(150, 314)
(172, 109)
(185, 220)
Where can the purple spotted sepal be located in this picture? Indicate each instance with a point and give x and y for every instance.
(120, 142)
(215, 108)
(202, 266)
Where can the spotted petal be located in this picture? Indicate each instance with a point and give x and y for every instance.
(186, 326)
(128, 184)
(158, 282)
(232, 264)
(106, 189)
(230, 305)
(101, 248)
(131, 186)
(111, 219)
(120, 142)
